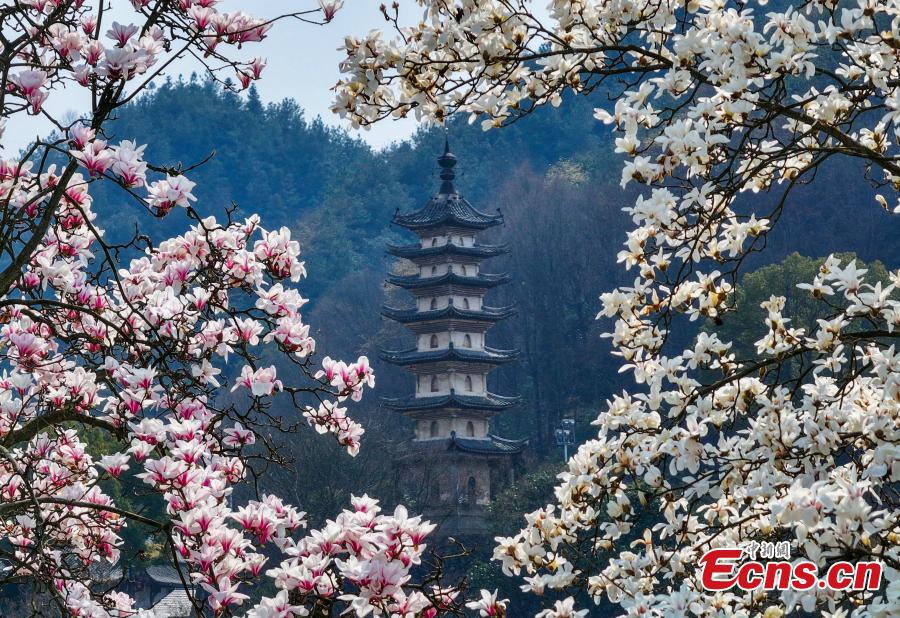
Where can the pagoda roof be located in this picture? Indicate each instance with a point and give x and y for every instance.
(485, 314)
(487, 355)
(480, 280)
(447, 208)
(492, 445)
(414, 251)
(489, 402)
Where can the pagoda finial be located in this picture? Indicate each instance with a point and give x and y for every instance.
(447, 161)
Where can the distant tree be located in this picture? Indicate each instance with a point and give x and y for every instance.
(554, 279)
(747, 323)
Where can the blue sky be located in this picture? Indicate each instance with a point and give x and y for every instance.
(302, 64)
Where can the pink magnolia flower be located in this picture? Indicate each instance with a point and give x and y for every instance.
(95, 157)
(128, 164)
(173, 191)
(114, 464)
(330, 8)
(121, 33)
(30, 81)
(261, 382)
(237, 436)
(80, 135)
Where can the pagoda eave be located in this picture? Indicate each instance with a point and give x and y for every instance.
(493, 445)
(417, 253)
(481, 281)
(490, 403)
(490, 446)
(486, 356)
(413, 315)
(452, 223)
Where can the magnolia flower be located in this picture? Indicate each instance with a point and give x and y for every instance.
(173, 191)
(260, 382)
(121, 34)
(29, 82)
(330, 8)
(489, 605)
(114, 464)
(237, 436)
(563, 609)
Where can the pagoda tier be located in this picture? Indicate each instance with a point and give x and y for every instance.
(488, 315)
(426, 285)
(446, 252)
(491, 445)
(489, 402)
(494, 445)
(486, 355)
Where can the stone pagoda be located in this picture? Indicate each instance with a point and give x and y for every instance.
(454, 464)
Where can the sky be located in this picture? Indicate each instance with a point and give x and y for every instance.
(302, 65)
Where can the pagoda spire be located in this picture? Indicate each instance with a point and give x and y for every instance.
(447, 162)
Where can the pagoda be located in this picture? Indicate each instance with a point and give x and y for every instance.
(454, 464)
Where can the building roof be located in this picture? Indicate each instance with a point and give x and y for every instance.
(488, 403)
(481, 280)
(176, 604)
(485, 314)
(416, 251)
(487, 355)
(447, 208)
(165, 574)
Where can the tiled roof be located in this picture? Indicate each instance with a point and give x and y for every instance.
(447, 209)
(489, 402)
(418, 251)
(176, 604)
(487, 355)
(165, 574)
(485, 314)
(480, 280)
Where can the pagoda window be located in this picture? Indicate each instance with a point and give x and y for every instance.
(469, 384)
(433, 343)
(435, 384)
(434, 241)
(433, 430)
(465, 303)
(471, 490)
(433, 304)
(467, 341)
(470, 429)
(434, 270)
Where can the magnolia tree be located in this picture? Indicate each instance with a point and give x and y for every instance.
(130, 342)
(713, 102)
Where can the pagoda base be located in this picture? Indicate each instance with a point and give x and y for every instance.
(460, 522)
(452, 482)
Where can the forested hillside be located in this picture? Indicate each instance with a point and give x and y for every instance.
(555, 179)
